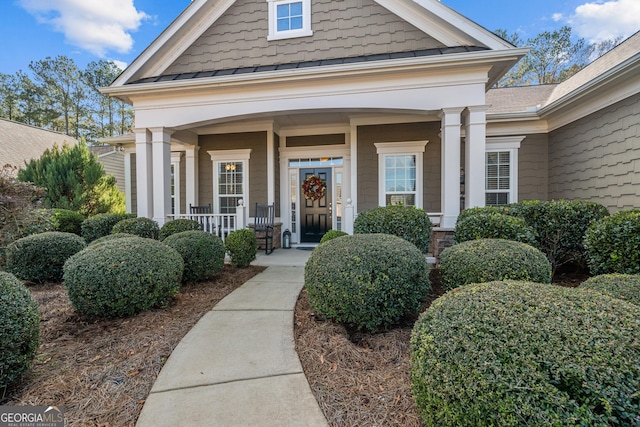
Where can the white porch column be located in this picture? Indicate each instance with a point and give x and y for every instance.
(474, 159)
(353, 175)
(450, 166)
(161, 142)
(191, 175)
(144, 169)
(128, 181)
(271, 168)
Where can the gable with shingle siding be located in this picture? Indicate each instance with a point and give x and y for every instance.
(341, 29)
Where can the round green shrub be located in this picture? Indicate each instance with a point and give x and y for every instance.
(40, 257)
(19, 329)
(67, 221)
(613, 244)
(141, 227)
(486, 260)
(122, 277)
(178, 226)
(367, 281)
(623, 286)
(493, 225)
(332, 234)
(202, 253)
(560, 226)
(101, 225)
(113, 236)
(470, 212)
(242, 247)
(406, 222)
(526, 354)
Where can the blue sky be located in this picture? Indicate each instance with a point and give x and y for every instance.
(119, 30)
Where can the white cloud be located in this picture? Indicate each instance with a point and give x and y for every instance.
(120, 64)
(602, 20)
(557, 17)
(95, 26)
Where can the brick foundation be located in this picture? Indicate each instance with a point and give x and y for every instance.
(277, 236)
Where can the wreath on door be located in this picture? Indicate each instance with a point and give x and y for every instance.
(313, 188)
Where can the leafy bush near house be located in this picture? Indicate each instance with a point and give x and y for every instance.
(613, 244)
(141, 227)
(472, 212)
(332, 234)
(622, 286)
(101, 225)
(67, 221)
(178, 226)
(518, 353)
(407, 222)
(487, 260)
(202, 254)
(560, 227)
(493, 225)
(19, 329)
(242, 247)
(109, 237)
(40, 257)
(122, 277)
(367, 281)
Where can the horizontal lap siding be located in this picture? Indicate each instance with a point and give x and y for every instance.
(257, 142)
(368, 160)
(341, 29)
(598, 157)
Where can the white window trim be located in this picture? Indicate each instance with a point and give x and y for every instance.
(512, 145)
(175, 162)
(224, 156)
(305, 31)
(415, 148)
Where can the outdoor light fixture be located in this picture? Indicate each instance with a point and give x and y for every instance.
(119, 147)
(286, 239)
(230, 167)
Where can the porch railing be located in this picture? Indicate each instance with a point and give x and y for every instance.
(219, 224)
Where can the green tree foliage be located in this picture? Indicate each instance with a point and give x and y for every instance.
(74, 180)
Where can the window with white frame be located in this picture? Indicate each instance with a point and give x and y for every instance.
(400, 171)
(501, 170)
(230, 179)
(289, 19)
(175, 183)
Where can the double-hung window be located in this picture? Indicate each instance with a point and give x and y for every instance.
(400, 171)
(501, 170)
(230, 179)
(289, 18)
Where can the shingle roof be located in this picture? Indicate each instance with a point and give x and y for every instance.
(20, 143)
(307, 64)
(519, 99)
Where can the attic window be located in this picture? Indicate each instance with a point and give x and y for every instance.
(289, 19)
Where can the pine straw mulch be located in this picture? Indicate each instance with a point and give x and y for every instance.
(363, 379)
(101, 370)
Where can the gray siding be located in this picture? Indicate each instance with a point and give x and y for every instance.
(368, 160)
(533, 165)
(598, 157)
(341, 29)
(312, 140)
(113, 163)
(257, 142)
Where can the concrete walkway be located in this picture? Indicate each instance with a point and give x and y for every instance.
(238, 365)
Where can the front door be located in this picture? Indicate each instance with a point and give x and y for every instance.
(315, 206)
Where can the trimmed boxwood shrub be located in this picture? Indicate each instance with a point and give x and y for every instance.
(560, 227)
(519, 354)
(613, 244)
(406, 222)
(493, 225)
(486, 260)
(67, 221)
(367, 281)
(178, 226)
(141, 227)
(113, 236)
(470, 212)
(122, 277)
(40, 257)
(242, 247)
(332, 234)
(19, 329)
(623, 286)
(101, 225)
(202, 253)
